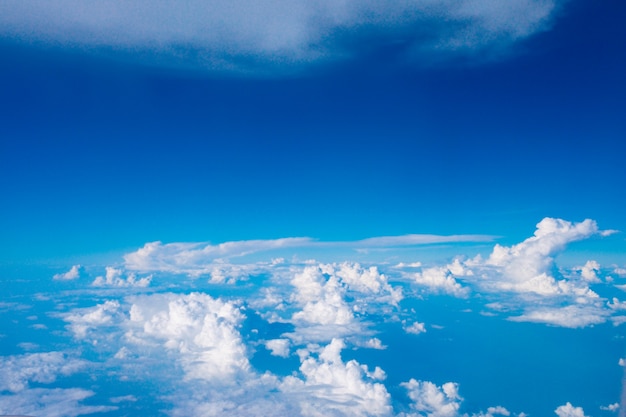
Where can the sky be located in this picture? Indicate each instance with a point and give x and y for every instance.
(349, 207)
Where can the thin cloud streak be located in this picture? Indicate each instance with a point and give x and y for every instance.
(229, 35)
(173, 257)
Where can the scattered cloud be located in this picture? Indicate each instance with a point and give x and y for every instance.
(43, 368)
(568, 410)
(415, 328)
(430, 400)
(331, 387)
(610, 407)
(114, 278)
(72, 274)
(278, 347)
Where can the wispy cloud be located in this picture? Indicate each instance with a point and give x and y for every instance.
(202, 258)
(231, 34)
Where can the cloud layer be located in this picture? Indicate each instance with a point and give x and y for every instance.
(228, 34)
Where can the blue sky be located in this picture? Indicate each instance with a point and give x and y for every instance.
(102, 150)
(251, 162)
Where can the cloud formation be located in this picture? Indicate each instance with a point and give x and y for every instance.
(72, 274)
(228, 34)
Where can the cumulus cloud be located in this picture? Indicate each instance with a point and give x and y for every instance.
(330, 299)
(225, 34)
(527, 266)
(589, 271)
(442, 279)
(331, 387)
(568, 410)
(278, 347)
(415, 328)
(114, 278)
(431, 400)
(202, 331)
(72, 274)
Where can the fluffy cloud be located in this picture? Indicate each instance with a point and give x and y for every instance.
(72, 274)
(432, 401)
(278, 347)
(201, 330)
(527, 266)
(568, 410)
(220, 33)
(415, 328)
(441, 279)
(44, 368)
(114, 278)
(332, 387)
(330, 299)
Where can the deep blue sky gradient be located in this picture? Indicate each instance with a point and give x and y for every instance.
(98, 154)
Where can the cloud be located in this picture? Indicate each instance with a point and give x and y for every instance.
(441, 279)
(72, 274)
(229, 35)
(202, 331)
(415, 328)
(571, 316)
(201, 258)
(330, 299)
(331, 387)
(429, 400)
(113, 278)
(589, 271)
(568, 410)
(527, 266)
(610, 407)
(55, 402)
(278, 347)
(43, 368)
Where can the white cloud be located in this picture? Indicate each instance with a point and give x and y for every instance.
(114, 278)
(375, 343)
(332, 387)
(202, 331)
(589, 271)
(527, 266)
(72, 274)
(198, 258)
(44, 368)
(220, 33)
(573, 316)
(610, 407)
(103, 315)
(492, 411)
(278, 347)
(441, 279)
(50, 403)
(429, 400)
(415, 328)
(568, 410)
